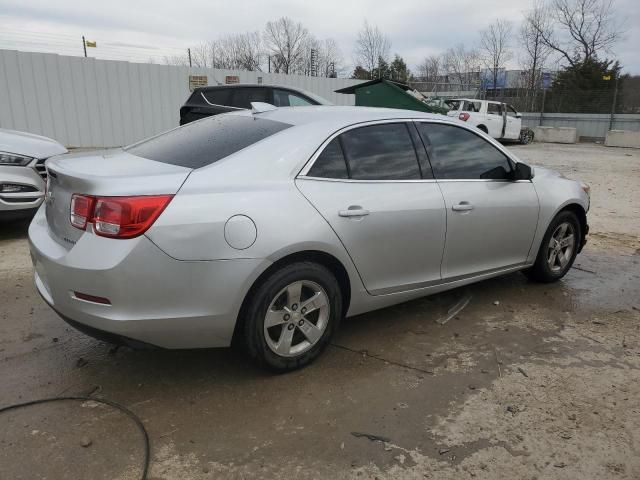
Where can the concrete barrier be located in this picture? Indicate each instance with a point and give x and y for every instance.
(622, 138)
(556, 134)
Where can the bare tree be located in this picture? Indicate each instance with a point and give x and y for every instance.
(535, 52)
(330, 59)
(494, 44)
(285, 41)
(461, 64)
(430, 68)
(372, 46)
(581, 29)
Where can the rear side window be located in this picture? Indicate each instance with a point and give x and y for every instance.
(471, 106)
(204, 142)
(330, 163)
(381, 152)
(221, 96)
(494, 109)
(283, 98)
(457, 153)
(242, 97)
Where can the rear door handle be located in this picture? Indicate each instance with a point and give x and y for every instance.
(353, 211)
(462, 207)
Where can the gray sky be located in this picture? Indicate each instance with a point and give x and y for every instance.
(417, 28)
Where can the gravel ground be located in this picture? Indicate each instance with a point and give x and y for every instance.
(529, 381)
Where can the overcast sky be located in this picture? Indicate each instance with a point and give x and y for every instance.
(416, 28)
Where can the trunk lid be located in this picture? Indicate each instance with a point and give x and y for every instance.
(103, 173)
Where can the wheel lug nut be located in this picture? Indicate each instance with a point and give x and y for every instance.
(286, 317)
(294, 306)
(303, 311)
(301, 322)
(290, 327)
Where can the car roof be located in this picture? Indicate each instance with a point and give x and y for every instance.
(317, 98)
(340, 116)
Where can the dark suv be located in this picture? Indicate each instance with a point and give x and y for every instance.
(207, 101)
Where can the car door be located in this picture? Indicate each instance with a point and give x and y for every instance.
(491, 219)
(512, 130)
(374, 186)
(495, 122)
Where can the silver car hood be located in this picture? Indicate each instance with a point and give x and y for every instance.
(28, 144)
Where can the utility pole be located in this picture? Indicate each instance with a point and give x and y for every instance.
(613, 106)
(84, 45)
(189, 52)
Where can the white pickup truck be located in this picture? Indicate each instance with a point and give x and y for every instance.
(500, 120)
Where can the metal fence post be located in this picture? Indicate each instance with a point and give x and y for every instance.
(544, 96)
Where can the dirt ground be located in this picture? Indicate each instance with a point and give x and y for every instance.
(528, 381)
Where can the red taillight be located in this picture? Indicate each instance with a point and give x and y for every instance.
(464, 116)
(121, 217)
(81, 210)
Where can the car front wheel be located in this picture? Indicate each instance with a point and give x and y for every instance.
(292, 316)
(558, 249)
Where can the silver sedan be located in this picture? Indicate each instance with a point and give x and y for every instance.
(267, 227)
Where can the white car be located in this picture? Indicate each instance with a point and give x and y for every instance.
(500, 120)
(22, 171)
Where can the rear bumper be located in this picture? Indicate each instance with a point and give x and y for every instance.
(154, 299)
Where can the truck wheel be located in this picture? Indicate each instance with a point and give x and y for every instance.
(526, 136)
(483, 128)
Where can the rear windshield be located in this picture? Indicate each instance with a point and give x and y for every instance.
(206, 141)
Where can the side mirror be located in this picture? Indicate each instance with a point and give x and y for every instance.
(518, 115)
(522, 172)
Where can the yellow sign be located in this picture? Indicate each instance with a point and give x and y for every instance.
(91, 44)
(606, 77)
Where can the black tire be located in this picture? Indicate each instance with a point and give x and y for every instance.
(483, 129)
(541, 270)
(526, 136)
(267, 292)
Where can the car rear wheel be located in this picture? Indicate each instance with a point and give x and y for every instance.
(292, 316)
(526, 136)
(558, 249)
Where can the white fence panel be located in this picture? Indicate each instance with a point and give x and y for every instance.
(84, 102)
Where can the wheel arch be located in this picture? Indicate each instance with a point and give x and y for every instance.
(483, 128)
(580, 212)
(333, 264)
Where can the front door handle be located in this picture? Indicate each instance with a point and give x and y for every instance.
(462, 207)
(354, 211)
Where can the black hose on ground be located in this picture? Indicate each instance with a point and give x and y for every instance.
(123, 409)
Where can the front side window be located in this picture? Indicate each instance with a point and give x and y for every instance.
(511, 111)
(381, 152)
(457, 153)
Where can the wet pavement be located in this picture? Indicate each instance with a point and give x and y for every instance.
(526, 381)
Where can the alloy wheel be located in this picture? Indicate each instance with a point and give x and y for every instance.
(561, 246)
(297, 318)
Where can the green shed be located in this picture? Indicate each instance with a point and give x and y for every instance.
(388, 94)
